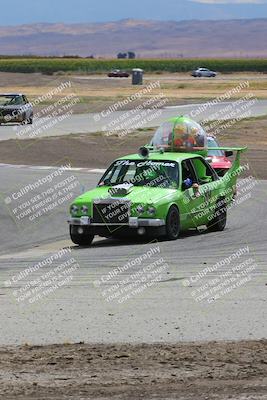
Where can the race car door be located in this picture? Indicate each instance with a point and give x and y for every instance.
(193, 201)
(207, 187)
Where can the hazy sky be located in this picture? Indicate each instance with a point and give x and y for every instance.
(75, 11)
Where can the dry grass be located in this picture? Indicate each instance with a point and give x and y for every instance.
(99, 88)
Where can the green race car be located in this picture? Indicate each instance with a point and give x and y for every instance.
(163, 190)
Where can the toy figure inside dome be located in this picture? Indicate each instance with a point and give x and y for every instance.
(180, 134)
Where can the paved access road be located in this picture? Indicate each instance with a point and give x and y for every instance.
(88, 123)
(168, 311)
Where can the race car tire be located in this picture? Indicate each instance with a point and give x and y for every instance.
(219, 220)
(173, 223)
(30, 120)
(24, 119)
(81, 239)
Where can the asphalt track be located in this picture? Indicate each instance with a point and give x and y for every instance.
(88, 123)
(165, 312)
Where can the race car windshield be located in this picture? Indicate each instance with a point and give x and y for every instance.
(10, 100)
(164, 174)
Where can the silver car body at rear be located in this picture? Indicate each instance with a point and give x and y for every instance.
(15, 107)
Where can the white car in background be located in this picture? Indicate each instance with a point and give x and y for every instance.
(15, 107)
(203, 72)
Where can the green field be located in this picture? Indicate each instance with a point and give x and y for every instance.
(51, 65)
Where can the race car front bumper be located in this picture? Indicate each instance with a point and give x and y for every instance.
(134, 222)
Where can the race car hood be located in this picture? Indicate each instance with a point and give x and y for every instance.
(11, 107)
(136, 194)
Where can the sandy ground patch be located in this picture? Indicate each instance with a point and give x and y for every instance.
(97, 150)
(216, 370)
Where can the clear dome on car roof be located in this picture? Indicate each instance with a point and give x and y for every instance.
(180, 134)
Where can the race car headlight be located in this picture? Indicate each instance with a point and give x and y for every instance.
(140, 209)
(74, 209)
(151, 210)
(7, 118)
(84, 209)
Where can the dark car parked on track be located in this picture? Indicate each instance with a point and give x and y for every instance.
(117, 73)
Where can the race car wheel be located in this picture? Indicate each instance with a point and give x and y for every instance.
(24, 119)
(219, 220)
(173, 223)
(81, 239)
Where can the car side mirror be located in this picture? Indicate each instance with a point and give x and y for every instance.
(187, 183)
(228, 153)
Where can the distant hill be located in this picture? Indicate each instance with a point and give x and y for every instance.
(224, 38)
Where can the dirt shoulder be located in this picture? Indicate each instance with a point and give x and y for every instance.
(97, 150)
(215, 370)
(98, 92)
